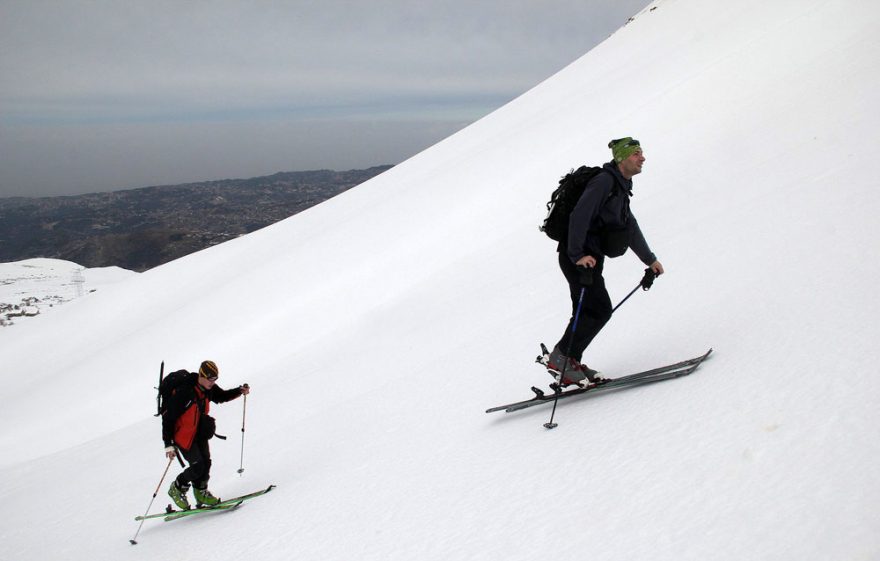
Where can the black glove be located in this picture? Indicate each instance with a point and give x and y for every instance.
(648, 279)
(585, 275)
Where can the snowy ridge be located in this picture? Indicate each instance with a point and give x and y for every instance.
(377, 327)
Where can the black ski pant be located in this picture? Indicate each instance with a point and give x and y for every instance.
(199, 459)
(595, 310)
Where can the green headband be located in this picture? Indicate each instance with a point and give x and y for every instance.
(623, 148)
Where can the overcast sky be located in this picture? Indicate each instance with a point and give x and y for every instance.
(99, 95)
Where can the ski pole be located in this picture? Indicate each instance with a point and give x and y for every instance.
(156, 492)
(644, 284)
(577, 313)
(179, 459)
(243, 413)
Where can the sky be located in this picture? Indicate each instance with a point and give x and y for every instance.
(104, 95)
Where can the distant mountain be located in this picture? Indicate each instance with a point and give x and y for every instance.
(138, 229)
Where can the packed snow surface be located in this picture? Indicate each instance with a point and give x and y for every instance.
(376, 328)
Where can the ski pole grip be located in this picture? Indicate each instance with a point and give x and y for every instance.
(585, 275)
(648, 279)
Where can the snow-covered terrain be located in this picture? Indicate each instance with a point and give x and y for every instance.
(34, 286)
(376, 328)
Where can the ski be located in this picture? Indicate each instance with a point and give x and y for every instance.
(228, 504)
(668, 372)
(202, 510)
(616, 383)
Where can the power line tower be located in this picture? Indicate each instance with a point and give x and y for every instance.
(78, 282)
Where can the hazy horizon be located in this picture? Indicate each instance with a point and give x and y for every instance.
(104, 96)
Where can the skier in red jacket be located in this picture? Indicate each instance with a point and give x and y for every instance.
(187, 427)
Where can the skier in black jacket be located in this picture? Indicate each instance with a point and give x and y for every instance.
(601, 225)
(186, 426)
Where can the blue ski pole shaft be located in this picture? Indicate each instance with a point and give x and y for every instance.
(633, 291)
(644, 284)
(577, 314)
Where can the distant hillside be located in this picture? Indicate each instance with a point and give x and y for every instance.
(138, 229)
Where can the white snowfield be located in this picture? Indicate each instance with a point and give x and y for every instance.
(36, 286)
(376, 328)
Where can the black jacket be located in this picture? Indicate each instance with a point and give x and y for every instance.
(604, 206)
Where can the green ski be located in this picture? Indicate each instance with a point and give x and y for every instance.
(201, 510)
(228, 504)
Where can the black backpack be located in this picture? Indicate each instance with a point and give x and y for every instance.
(167, 385)
(564, 199)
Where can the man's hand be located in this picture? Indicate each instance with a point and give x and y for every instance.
(587, 261)
(170, 453)
(657, 267)
(245, 389)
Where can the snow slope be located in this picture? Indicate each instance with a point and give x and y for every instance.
(377, 327)
(37, 286)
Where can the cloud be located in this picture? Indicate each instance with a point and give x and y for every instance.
(71, 68)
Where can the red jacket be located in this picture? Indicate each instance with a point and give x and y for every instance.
(187, 408)
(188, 423)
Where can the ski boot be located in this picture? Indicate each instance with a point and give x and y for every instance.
(569, 372)
(204, 497)
(178, 495)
